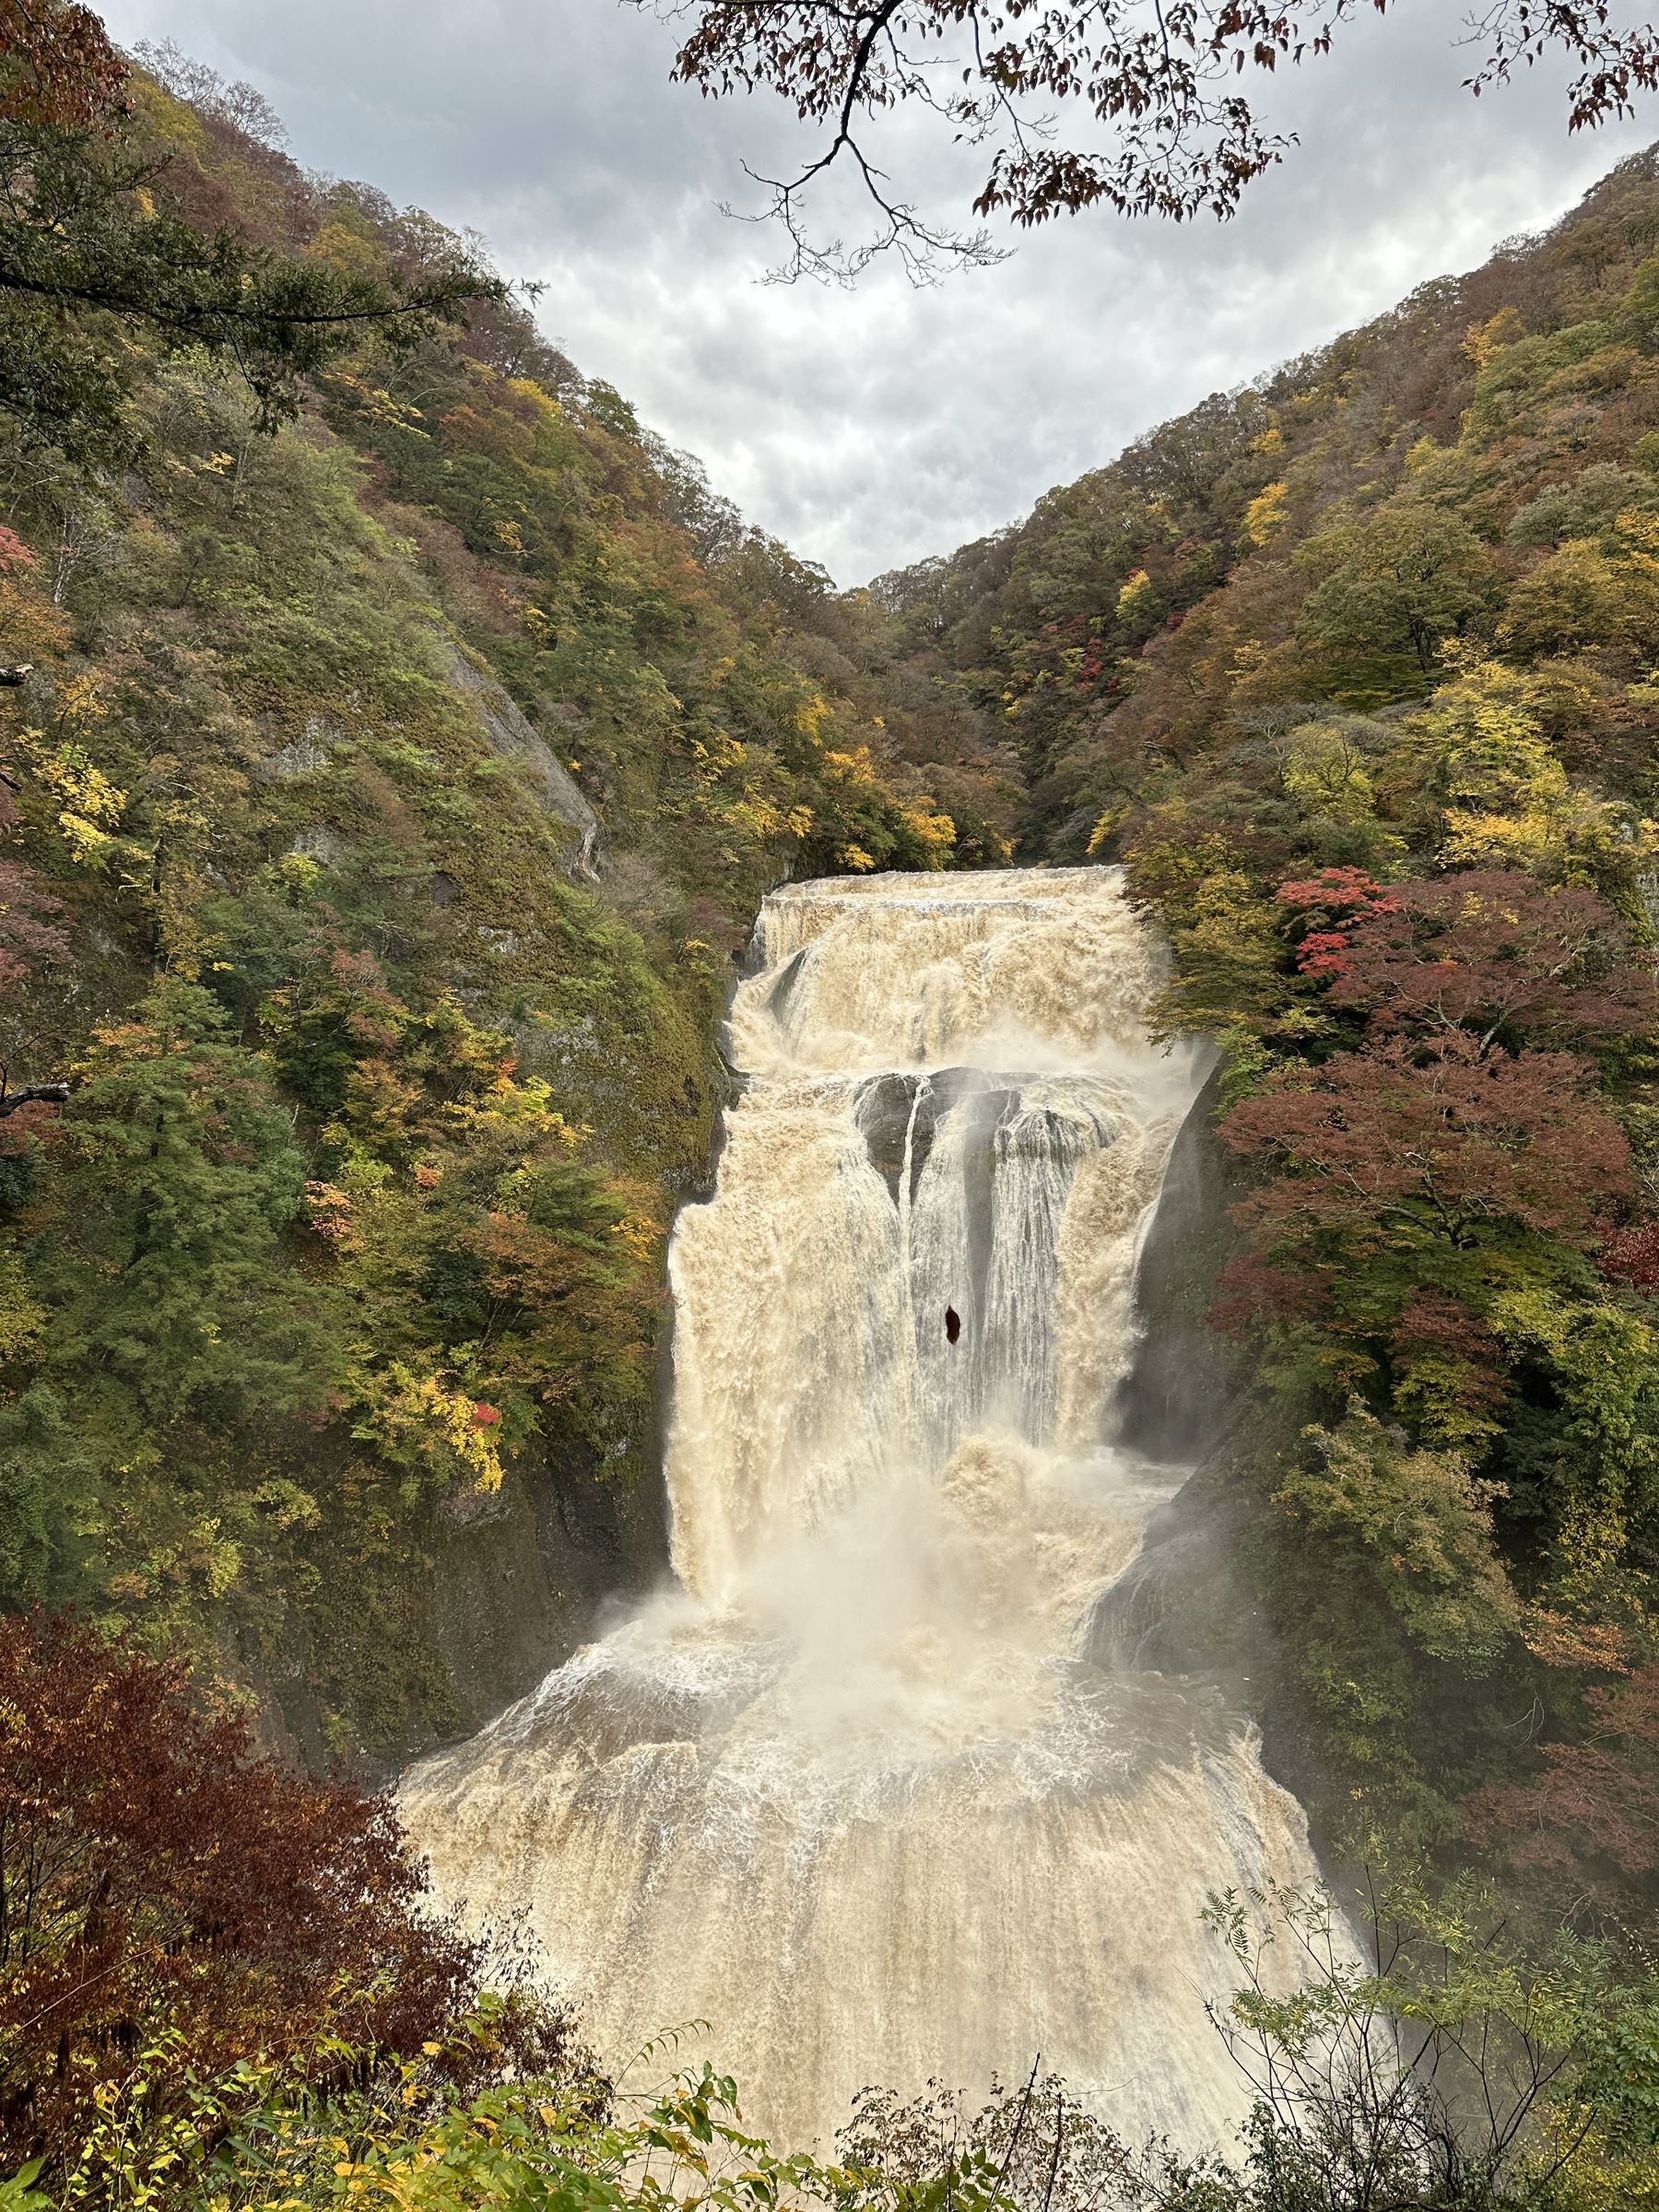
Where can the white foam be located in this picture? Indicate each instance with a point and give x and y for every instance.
(850, 1793)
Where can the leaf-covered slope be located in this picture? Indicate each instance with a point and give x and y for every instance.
(1317, 534)
(1354, 668)
(387, 800)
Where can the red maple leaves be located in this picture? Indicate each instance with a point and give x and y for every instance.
(1457, 1110)
(1441, 1131)
(158, 1875)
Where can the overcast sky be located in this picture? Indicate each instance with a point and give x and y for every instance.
(873, 428)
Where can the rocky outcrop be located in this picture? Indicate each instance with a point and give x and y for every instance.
(1195, 1601)
(510, 734)
(380, 1659)
(1185, 1377)
(1179, 1606)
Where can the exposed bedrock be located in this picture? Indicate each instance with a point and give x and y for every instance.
(1185, 1379)
(1191, 1601)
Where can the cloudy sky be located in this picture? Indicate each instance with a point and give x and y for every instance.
(872, 428)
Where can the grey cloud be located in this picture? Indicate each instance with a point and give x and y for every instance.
(876, 427)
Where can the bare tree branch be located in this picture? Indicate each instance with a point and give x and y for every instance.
(1155, 85)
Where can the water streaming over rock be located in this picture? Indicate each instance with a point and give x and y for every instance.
(851, 1792)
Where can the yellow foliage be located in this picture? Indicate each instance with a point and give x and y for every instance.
(1597, 2182)
(853, 857)
(22, 1317)
(1267, 514)
(761, 819)
(1324, 771)
(1495, 840)
(348, 250)
(81, 700)
(378, 405)
(87, 805)
(527, 387)
(1485, 340)
(1133, 593)
(811, 715)
(934, 833)
(1508, 800)
(33, 628)
(1107, 827)
(1575, 598)
(639, 1238)
(1567, 693)
(286, 1504)
(522, 1103)
(419, 1417)
(1638, 537)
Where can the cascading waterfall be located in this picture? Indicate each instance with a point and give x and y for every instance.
(853, 1792)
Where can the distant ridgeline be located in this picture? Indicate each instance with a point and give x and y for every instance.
(1358, 670)
(385, 800)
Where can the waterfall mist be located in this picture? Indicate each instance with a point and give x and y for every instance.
(855, 1791)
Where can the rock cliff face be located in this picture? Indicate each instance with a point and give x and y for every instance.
(509, 732)
(1184, 1605)
(1193, 1602)
(1176, 1402)
(485, 1596)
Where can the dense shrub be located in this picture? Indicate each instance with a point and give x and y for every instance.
(163, 1887)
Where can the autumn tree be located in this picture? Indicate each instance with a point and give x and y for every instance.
(1582, 1831)
(1487, 953)
(57, 64)
(1164, 122)
(1433, 1196)
(1411, 1184)
(1402, 1145)
(1633, 1254)
(499, 1283)
(1393, 585)
(94, 250)
(164, 1887)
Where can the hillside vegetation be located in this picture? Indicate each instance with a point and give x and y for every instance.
(385, 800)
(395, 739)
(1354, 669)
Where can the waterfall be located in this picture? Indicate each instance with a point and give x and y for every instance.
(851, 1791)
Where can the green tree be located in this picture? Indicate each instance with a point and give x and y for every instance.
(152, 1328)
(182, 1172)
(1393, 586)
(1419, 1523)
(94, 251)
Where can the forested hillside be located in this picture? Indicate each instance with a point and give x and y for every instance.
(386, 801)
(1354, 669)
(395, 740)
(388, 796)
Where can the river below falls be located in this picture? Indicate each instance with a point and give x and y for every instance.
(850, 1790)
